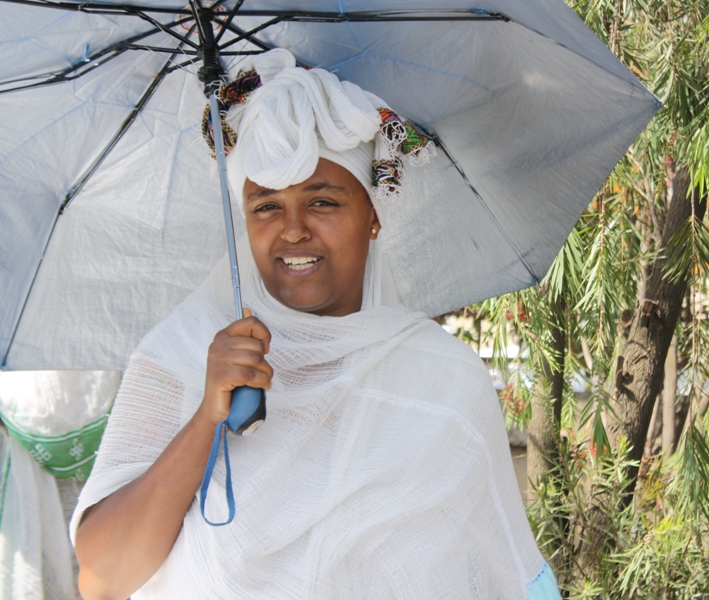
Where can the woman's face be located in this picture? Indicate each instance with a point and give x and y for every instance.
(310, 240)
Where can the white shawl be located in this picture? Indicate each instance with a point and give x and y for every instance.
(382, 470)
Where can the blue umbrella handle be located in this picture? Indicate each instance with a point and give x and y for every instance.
(248, 410)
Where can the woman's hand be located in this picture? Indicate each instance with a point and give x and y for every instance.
(236, 358)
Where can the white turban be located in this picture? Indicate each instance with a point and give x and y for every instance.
(296, 117)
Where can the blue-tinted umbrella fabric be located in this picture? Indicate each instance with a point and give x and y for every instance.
(101, 234)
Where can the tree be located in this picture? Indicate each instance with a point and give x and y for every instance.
(618, 523)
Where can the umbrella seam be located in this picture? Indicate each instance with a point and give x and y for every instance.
(512, 245)
(635, 85)
(349, 27)
(170, 184)
(406, 62)
(75, 189)
(532, 30)
(39, 131)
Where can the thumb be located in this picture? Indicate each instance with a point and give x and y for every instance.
(247, 312)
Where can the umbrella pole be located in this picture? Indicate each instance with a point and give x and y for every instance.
(226, 202)
(248, 405)
(211, 74)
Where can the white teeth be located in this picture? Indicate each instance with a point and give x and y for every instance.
(298, 263)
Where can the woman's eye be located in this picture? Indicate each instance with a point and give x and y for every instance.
(320, 202)
(265, 208)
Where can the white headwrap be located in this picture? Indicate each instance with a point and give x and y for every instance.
(382, 470)
(297, 116)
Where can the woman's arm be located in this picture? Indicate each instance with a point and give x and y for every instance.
(126, 537)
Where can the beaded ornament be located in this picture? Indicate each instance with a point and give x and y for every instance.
(397, 136)
(230, 94)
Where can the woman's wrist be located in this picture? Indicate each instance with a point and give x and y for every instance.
(207, 415)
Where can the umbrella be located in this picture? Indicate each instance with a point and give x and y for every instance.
(110, 211)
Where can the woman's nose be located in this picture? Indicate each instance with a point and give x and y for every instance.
(295, 228)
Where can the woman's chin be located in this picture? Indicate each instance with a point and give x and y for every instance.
(319, 305)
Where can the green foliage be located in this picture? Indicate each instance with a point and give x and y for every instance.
(659, 541)
(691, 251)
(660, 547)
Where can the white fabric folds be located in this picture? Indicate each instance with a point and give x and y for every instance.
(35, 557)
(382, 470)
(281, 124)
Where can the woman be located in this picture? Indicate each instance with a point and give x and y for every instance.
(382, 470)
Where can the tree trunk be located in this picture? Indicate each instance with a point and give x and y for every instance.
(651, 432)
(639, 373)
(668, 399)
(543, 429)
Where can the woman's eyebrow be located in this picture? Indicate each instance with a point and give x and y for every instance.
(313, 187)
(260, 193)
(324, 185)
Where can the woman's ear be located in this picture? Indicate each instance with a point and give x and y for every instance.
(375, 226)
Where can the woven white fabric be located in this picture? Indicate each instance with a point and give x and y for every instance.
(382, 470)
(35, 561)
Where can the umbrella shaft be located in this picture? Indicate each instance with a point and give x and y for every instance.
(228, 220)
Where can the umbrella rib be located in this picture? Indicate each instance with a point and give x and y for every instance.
(62, 76)
(248, 34)
(512, 245)
(315, 16)
(76, 188)
(166, 29)
(229, 19)
(99, 8)
(196, 59)
(244, 35)
(126, 9)
(378, 16)
(161, 49)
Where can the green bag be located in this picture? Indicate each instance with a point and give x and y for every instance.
(69, 456)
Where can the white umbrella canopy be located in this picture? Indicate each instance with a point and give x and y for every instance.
(110, 210)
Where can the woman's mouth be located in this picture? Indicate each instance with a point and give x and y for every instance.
(300, 263)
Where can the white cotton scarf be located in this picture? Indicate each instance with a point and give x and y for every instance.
(382, 470)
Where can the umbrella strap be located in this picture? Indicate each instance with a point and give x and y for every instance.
(220, 430)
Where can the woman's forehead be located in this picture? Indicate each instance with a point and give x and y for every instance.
(328, 177)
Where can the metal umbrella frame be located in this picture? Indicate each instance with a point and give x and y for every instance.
(28, 336)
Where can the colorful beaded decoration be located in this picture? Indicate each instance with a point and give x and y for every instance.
(230, 94)
(386, 174)
(393, 129)
(397, 136)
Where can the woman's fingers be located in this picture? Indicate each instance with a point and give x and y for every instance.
(227, 377)
(249, 327)
(248, 359)
(225, 344)
(236, 358)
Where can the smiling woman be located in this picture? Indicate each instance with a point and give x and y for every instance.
(310, 240)
(383, 470)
